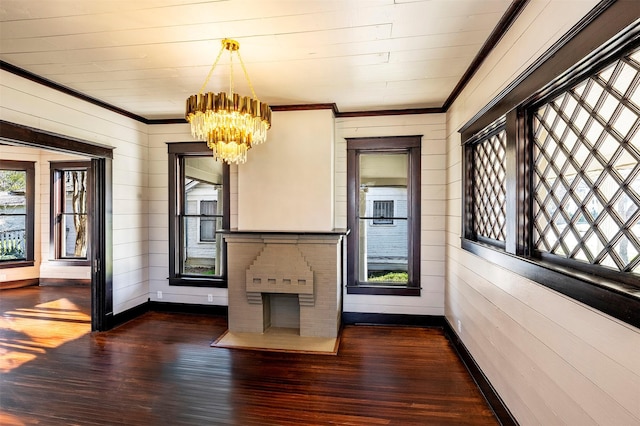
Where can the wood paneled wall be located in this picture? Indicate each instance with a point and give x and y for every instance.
(551, 359)
(432, 127)
(27, 103)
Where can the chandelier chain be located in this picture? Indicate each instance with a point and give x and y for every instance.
(231, 74)
(206, 81)
(246, 75)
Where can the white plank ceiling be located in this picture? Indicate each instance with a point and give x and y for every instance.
(148, 56)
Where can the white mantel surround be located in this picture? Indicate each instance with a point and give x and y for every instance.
(263, 266)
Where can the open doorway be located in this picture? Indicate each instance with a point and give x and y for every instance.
(63, 157)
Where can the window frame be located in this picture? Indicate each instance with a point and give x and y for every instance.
(29, 168)
(559, 69)
(56, 169)
(176, 152)
(411, 145)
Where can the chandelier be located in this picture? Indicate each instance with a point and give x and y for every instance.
(231, 124)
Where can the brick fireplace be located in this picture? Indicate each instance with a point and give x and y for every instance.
(285, 280)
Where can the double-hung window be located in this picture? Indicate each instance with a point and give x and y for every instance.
(552, 189)
(17, 211)
(198, 213)
(383, 205)
(70, 219)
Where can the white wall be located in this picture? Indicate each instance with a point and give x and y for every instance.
(551, 359)
(30, 104)
(287, 183)
(432, 128)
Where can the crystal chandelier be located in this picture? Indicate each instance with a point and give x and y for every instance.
(230, 123)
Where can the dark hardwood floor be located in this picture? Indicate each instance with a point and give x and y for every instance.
(160, 370)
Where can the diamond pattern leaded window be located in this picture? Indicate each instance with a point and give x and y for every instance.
(489, 190)
(586, 174)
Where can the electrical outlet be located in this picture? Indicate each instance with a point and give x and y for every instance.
(459, 326)
(159, 294)
(210, 297)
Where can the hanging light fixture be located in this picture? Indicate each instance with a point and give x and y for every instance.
(231, 124)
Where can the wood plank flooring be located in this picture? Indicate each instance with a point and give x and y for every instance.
(160, 370)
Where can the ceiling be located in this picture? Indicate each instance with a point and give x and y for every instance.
(148, 56)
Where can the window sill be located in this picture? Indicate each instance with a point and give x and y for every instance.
(198, 282)
(609, 297)
(383, 290)
(6, 264)
(70, 262)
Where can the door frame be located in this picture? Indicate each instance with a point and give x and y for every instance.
(101, 201)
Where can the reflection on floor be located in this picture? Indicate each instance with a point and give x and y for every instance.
(28, 332)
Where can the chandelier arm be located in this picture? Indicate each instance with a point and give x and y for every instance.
(206, 81)
(246, 75)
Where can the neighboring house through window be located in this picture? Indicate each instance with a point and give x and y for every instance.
(208, 218)
(17, 210)
(383, 212)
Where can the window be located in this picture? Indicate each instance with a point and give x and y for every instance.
(17, 201)
(208, 211)
(383, 215)
(586, 170)
(199, 212)
(552, 189)
(70, 224)
(486, 168)
(383, 212)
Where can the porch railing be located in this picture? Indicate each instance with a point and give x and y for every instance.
(12, 244)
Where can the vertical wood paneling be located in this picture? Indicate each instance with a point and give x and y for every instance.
(551, 359)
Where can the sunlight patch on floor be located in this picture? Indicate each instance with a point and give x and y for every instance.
(27, 333)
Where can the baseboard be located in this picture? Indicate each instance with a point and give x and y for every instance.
(361, 318)
(496, 403)
(19, 283)
(187, 308)
(128, 315)
(65, 282)
(181, 308)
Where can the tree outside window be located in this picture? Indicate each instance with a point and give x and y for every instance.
(70, 208)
